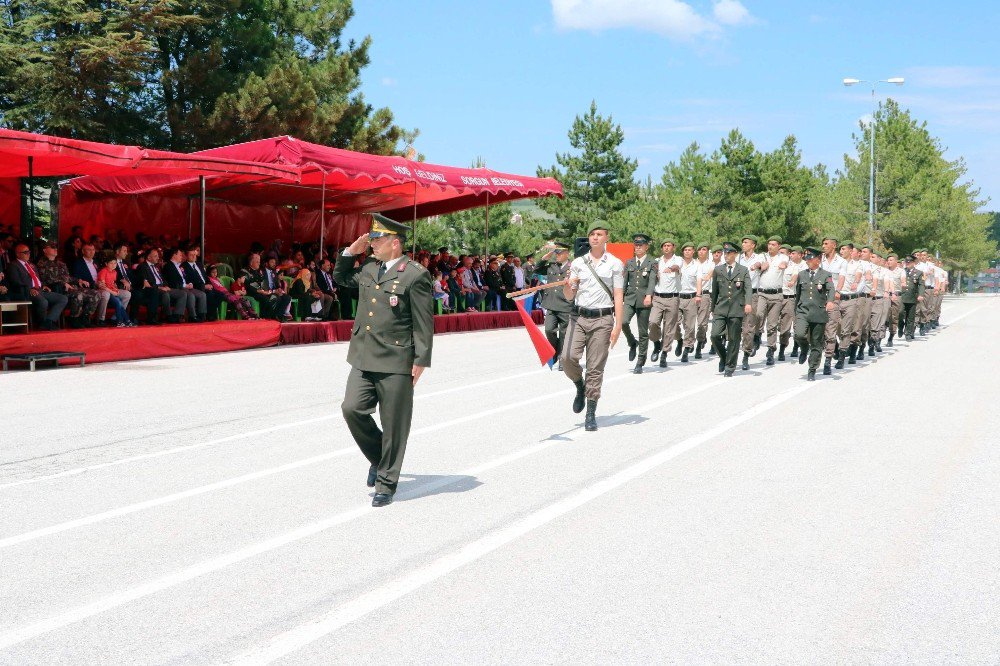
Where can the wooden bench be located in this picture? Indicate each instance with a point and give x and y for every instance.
(14, 316)
(34, 357)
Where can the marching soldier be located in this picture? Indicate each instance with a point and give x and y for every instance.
(706, 267)
(770, 298)
(687, 300)
(755, 264)
(554, 266)
(596, 288)
(836, 266)
(663, 318)
(640, 278)
(881, 299)
(814, 294)
(930, 282)
(390, 348)
(790, 276)
(848, 333)
(897, 274)
(731, 302)
(912, 296)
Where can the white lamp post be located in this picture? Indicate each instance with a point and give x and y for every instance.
(897, 80)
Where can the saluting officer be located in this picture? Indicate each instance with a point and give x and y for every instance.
(640, 278)
(554, 266)
(814, 294)
(913, 294)
(731, 302)
(390, 346)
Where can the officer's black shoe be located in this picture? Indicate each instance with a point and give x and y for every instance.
(382, 499)
(578, 401)
(638, 365)
(781, 352)
(746, 361)
(372, 473)
(590, 421)
(770, 356)
(872, 346)
(684, 357)
(722, 364)
(559, 366)
(711, 350)
(852, 352)
(728, 373)
(697, 350)
(677, 349)
(656, 351)
(841, 357)
(795, 350)
(632, 348)
(811, 376)
(826, 367)
(663, 360)
(803, 354)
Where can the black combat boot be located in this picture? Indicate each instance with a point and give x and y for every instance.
(638, 365)
(770, 356)
(746, 361)
(841, 357)
(803, 355)
(590, 421)
(663, 360)
(781, 352)
(795, 350)
(756, 344)
(578, 400)
(656, 351)
(811, 376)
(860, 351)
(684, 356)
(852, 353)
(697, 350)
(826, 367)
(878, 346)
(677, 349)
(891, 336)
(872, 346)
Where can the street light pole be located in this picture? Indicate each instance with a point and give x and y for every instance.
(871, 150)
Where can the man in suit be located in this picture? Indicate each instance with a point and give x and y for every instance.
(912, 295)
(263, 286)
(494, 282)
(182, 290)
(814, 300)
(156, 293)
(554, 266)
(640, 278)
(124, 277)
(84, 271)
(509, 280)
(194, 273)
(391, 343)
(731, 302)
(325, 283)
(25, 284)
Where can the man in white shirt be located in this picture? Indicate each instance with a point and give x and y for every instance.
(836, 266)
(848, 334)
(897, 276)
(596, 287)
(756, 264)
(789, 278)
(942, 288)
(866, 291)
(706, 266)
(666, 306)
(930, 283)
(881, 299)
(770, 297)
(687, 305)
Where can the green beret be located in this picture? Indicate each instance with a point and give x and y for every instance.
(847, 244)
(596, 226)
(750, 237)
(797, 248)
(786, 246)
(716, 248)
(687, 245)
(668, 240)
(867, 247)
(836, 241)
(703, 245)
(892, 255)
(776, 239)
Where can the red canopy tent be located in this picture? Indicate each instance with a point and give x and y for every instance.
(347, 183)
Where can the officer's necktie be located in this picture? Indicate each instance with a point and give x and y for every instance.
(812, 274)
(729, 270)
(381, 269)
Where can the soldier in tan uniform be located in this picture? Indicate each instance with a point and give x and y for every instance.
(391, 343)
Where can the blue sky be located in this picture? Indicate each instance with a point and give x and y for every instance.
(504, 80)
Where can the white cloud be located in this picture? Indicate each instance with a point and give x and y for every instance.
(389, 81)
(673, 18)
(954, 77)
(731, 12)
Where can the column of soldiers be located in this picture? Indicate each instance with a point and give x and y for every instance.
(833, 304)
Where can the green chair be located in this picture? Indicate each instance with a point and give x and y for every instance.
(227, 282)
(295, 302)
(225, 270)
(440, 309)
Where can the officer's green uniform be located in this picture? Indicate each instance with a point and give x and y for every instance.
(911, 292)
(393, 331)
(557, 308)
(640, 279)
(731, 292)
(812, 293)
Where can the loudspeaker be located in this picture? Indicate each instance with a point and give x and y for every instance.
(581, 246)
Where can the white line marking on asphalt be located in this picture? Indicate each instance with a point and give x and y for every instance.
(254, 476)
(27, 632)
(297, 638)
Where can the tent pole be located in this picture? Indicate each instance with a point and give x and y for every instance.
(201, 182)
(190, 204)
(295, 210)
(31, 196)
(486, 239)
(414, 252)
(322, 217)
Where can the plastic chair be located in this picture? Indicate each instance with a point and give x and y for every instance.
(225, 270)
(227, 282)
(295, 302)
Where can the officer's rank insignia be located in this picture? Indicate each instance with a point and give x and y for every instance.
(394, 300)
(739, 284)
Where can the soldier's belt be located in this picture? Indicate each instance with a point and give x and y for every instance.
(848, 297)
(588, 313)
(668, 294)
(864, 295)
(691, 295)
(769, 291)
(707, 292)
(788, 295)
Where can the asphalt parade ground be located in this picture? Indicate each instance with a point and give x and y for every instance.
(213, 509)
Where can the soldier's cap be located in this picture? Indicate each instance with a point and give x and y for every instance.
(668, 240)
(847, 244)
(786, 246)
(716, 248)
(749, 237)
(687, 245)
(796, 248)
(910, 257)
(641, 239)
(509, 255)
(561, 247)
(728, 247)
(703, 245)
(54, 245)
(776, 239)
(867, 247)
(597, 226)
(810, 253)
(892, 255)
(836, 241)
(383, 226)
(442, 249)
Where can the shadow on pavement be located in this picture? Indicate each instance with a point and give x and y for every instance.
(417, 486)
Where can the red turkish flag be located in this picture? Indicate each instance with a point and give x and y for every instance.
(546, 352)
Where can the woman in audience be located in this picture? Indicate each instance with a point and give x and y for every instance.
(235, 295)
(308, 294)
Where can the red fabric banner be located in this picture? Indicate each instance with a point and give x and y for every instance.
(546, 352)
